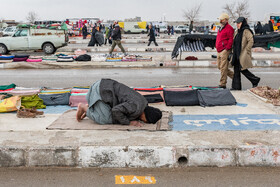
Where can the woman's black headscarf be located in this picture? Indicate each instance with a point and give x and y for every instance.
(238, 40)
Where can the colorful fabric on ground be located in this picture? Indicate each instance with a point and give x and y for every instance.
(34, 60)
(10, 104)
(20, 59)
(32, 101)
(148, 89)
(6, 61)
(78, 95)
(6, 57)
(6, 87)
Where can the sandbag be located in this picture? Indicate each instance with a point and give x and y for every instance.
(181, 98)
(215, 98)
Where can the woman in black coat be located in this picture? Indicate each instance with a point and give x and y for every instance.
(152, 36)
(84, 31)
(93, 41)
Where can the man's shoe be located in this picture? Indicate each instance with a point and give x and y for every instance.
(257, 83)
(224, 87)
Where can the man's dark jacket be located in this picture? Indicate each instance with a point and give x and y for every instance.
(152, 35)
(116, 34)
(127, 105)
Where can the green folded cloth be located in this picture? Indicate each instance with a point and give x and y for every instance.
(275, 44)
(32, 101)
(6, 87)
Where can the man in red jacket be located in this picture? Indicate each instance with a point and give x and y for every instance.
(224, 43)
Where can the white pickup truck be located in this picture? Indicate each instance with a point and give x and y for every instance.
(33, 39)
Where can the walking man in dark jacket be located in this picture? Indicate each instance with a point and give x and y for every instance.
(84, 31)
(224, 43)
(152, 36)
(111, 102)
(116, 36)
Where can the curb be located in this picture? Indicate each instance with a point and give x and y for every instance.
(137, 64)
(140, 156)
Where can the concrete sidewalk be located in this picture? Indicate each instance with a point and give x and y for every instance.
(26, 142)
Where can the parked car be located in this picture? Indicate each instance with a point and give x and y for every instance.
(34, 39)
(181, 29)
(163, 29)
(9, 31)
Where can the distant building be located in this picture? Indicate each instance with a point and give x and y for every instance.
(136, 19)
(6, 23)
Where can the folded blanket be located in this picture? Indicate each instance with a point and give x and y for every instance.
(6, 61)
(64, 59)
(21, 56)
(20, 59)
(34, 60)
(6, 57)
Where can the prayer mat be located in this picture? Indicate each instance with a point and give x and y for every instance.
(67, 121)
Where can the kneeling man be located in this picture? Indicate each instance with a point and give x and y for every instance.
(111, 102)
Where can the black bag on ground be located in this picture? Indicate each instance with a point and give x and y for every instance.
(181, 98)
(154, 98)
(215, 98)
(84, 57)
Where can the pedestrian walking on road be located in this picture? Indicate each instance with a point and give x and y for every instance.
(93, 41)
(224, 43)
(259, 28)
(107, 35)
(84, 31)
(116, 36)
(152, 36)
(111, 102)
(191, 28)
(168, 29)
(172, 30)
(242, 54)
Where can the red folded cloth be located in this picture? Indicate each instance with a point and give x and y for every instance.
(191, 58)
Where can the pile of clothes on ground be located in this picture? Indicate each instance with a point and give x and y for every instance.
(266, 92)
(26, 101)
(127, 58)
(20, 58)
(79, 56)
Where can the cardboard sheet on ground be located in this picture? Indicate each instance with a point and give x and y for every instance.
(67, 121)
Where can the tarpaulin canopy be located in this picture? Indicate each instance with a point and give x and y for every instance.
(198, 42)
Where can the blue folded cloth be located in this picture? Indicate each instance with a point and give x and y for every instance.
(6, 57)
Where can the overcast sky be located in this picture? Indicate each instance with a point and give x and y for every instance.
(120, 9)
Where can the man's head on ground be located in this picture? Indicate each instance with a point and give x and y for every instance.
(224, 17)
(151, 115)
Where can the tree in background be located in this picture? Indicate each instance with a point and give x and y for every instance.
(31, 17)
(237, 9)
(193, 13)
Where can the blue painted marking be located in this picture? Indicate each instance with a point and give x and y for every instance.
(226, 122)
(241, 104)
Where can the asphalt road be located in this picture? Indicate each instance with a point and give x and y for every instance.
(137, 77)
(164, 177)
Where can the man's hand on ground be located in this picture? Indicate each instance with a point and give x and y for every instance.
(136, 124)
